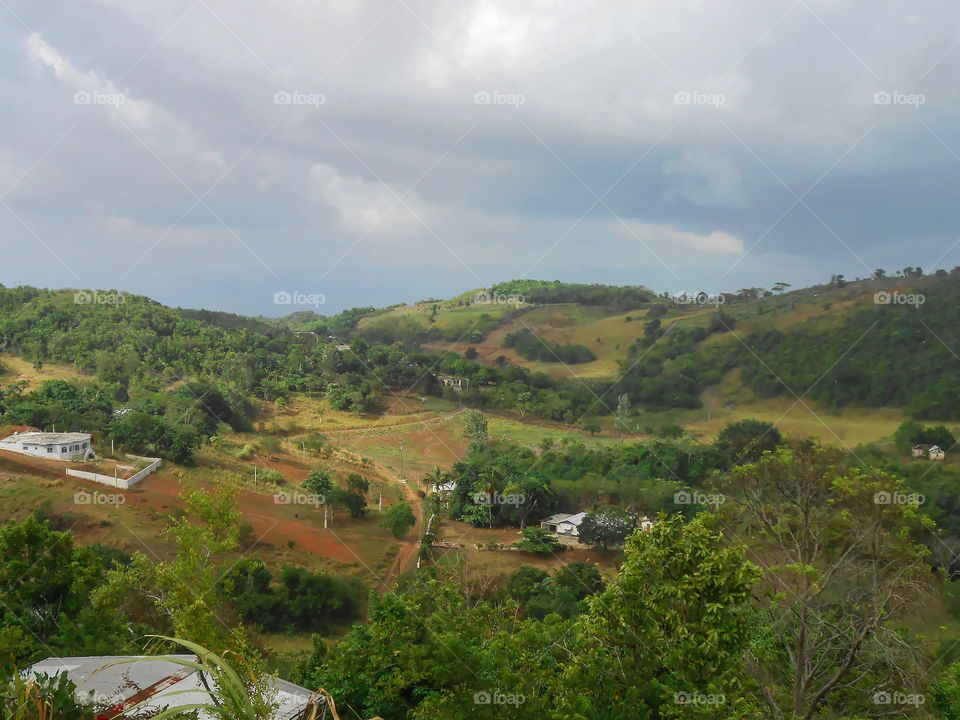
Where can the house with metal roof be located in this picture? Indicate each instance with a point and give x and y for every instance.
(160, 683)
(564, 524)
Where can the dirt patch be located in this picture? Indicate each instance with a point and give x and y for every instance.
(15, 463)
(273, 523)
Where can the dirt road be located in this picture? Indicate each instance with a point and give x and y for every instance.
(410, 544)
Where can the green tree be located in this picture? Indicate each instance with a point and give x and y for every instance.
(356, 483)
(609, 526)
(672, 621)
(539, 541)
(475, 430)
(45, 585)
(746, 440)
(843, 567)
(318, 482)
(399, 518)
(182, 593)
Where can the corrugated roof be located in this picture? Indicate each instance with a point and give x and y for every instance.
(131, 680)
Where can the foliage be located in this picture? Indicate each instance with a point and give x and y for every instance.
(542, 292)
(671, 621)
(533, 348)
(843, 567)
(42, 697)
(45, 585)
(539, 541)
(301, 601)
(181, 595)
(606, 527)
(399, 518)
(475, 430)
(318, 482)
(912, 433)
(745, 441)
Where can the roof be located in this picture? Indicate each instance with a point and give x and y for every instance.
(130, 680)
(574, 520)
(44, 438)
(565, 518)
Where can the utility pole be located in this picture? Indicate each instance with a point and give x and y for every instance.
(401, 461)
(380, 503)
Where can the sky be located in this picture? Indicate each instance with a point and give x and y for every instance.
(230, 154)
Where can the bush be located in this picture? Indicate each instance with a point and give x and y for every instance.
(539, 541)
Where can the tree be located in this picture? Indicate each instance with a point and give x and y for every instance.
(912, 433)
(399, 519)
(592, 426)
(183, 593)
(746, 440)
(539, 541)
(672, 621)
(606, 527)
(357, 484)
(355, 503)
(318, 482)
(879, 274)
(271, 444)
(45, 585)
(842, 569)
(475, 430)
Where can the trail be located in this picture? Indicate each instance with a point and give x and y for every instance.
(409, 544)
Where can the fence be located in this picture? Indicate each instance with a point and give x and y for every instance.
(123, 483)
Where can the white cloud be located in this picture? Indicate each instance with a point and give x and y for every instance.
(373, 208)
(659, 236)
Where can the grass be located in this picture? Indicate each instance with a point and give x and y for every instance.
(19, 369)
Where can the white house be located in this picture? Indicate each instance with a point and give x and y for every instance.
(564, 524)
(160, 682)
(53, 446)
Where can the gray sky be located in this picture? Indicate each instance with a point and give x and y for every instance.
(211, 153)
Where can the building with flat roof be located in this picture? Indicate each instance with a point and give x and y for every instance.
(52, 445)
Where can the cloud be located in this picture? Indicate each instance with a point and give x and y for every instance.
(497, 189)
(364, 207)
(672, 238)
(704, 178)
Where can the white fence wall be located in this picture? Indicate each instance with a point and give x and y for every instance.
(123, 483)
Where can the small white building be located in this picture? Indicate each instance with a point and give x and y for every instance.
(564, 524)
(53, 446)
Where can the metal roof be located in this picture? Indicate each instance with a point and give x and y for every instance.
(130, 680)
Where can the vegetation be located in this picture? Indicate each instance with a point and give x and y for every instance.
(399, 519)
(533, 348)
